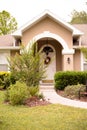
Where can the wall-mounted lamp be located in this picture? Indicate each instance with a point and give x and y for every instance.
(68, 60)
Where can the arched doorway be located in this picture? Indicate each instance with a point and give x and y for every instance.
(49, 57)
(61, 52)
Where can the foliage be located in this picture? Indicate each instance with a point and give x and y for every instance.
(28, 66)
(79, 17)
(8, 23)
(50, 117)
(33, 91)
(4, 80)
(84, 51)
(63, 79)
(40, 95)
(17, 93)
(12, 79)
(73, 90)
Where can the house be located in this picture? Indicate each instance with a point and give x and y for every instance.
(8, 47)
(60, 43)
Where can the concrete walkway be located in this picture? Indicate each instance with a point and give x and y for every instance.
(51, 96)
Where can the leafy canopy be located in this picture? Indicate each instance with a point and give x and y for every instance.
(84, 50)
(8, 23)
(79, 17)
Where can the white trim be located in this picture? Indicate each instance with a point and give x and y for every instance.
(69, 51)
(52, 16)
(45, 34)
(10, 48)
(49, 46)
(51, 35)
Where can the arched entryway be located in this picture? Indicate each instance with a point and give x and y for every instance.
(60, 49)
(52, 56)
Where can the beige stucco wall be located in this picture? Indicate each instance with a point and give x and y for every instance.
(66, 65)
(47, 24)
(77, 60)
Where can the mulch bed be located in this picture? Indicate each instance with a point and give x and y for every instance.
(83, 99)
(35, 101)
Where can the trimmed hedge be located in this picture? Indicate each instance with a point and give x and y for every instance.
(63, 79)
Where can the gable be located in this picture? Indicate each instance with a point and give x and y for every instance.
(49, 25)
(43, 15)
(46, 17)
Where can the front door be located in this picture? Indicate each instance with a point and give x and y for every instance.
(49, 57)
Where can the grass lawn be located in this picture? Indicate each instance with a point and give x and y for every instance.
(50, 117)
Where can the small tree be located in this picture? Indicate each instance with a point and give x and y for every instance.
(8, 23)
(84, 51)
(78, 17)
(28, 66)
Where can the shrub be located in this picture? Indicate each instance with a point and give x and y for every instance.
(33, 90)
(6, 96)
(63, 79)
(41, 96)
(4, 79)
(17, 93)
(13, 79)
(73, 90)
(28, 66)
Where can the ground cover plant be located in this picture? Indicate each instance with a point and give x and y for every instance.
(49, 117)
(72, 91)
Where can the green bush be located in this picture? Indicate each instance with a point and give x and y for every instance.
(63, 79)
(13, 79)
(28, 66)
(17, 93)
(33, 90)
(73, 90)
(4, 79)
(6, 96)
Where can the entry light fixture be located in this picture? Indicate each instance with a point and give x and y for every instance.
(68, 60)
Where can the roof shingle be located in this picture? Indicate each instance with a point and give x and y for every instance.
(6, 40)
(83, 28)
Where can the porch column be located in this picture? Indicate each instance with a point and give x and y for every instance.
(67, 61)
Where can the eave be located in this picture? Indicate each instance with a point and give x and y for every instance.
(43, 15)
(9, 48)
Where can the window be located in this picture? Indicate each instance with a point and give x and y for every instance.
(85, 66)
(47, 49)
(84, 63)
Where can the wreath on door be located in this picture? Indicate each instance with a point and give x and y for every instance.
(47, 60)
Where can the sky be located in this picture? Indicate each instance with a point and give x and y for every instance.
(26, 10)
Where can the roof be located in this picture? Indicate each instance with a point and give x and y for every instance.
(44, 14)
(6, 40)
(83, 28)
